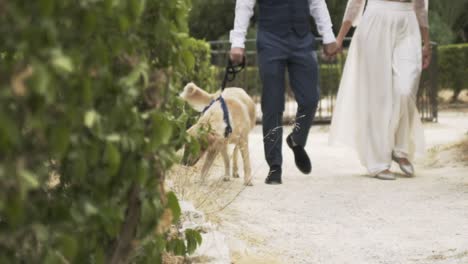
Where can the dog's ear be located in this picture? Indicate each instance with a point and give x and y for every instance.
(189, 90)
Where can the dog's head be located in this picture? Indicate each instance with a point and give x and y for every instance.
(196, 97)
(191, 156)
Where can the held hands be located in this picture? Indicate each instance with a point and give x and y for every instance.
(237, 55)
(331, 49)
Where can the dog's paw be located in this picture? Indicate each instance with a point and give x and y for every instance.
(249, 183)
(235, 175)
(226, 178)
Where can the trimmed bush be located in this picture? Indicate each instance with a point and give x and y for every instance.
(453, 67)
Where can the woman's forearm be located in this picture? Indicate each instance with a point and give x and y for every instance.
(425, 36)
(345, 27)
(427, 48)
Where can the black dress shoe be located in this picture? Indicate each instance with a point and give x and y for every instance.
(274, 176)
(300, 156)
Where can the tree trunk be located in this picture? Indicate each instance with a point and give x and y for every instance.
(122, 247)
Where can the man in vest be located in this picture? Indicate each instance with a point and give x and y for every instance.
(284, 41)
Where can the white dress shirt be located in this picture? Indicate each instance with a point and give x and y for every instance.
(245, 10)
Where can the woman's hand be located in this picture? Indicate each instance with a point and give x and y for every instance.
(427, 56)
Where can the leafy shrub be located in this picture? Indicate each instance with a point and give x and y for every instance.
(453, 67)
(202, 73)
(89, 126)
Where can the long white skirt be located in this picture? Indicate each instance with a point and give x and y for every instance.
(376, 110)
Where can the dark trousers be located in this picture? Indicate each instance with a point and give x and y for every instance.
(276, 55)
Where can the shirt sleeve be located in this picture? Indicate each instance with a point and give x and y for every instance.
(244, 11)
(354, 11)
(421, 8)
(319, 11)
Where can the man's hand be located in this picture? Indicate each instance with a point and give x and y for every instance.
(427, 56)
(331, 49)
(237, 55)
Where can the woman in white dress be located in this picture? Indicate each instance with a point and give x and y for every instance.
(376, 110)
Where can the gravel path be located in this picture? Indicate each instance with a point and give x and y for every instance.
(339, 215)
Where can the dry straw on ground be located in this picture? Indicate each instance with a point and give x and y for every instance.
(211, 196)
(451, 155)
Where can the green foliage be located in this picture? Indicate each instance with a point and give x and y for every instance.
(337, 9)
(449, 13)
(194, 239)
(89, 125)
(330, 76)
(447, 21)
(210, 19)
(202, 72)
(439, 30)
(453, 67)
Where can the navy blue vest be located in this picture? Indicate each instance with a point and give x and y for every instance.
(281, 16)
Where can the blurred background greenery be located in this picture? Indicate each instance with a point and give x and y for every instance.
(213, 19)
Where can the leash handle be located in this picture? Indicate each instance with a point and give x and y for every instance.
(236, 68)
(231, 71)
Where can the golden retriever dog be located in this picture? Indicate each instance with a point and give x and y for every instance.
(241, 116)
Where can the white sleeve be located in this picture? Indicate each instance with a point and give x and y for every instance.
(421, 8)
(319, 11)
(354, 11)
(244, 11)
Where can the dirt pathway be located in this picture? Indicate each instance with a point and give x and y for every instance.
(339, 215)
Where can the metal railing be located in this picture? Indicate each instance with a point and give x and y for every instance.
(330, 75)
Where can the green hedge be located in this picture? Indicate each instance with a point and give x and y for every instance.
(249, 80)
(202, 72)
(453, 67)
(453, 72)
